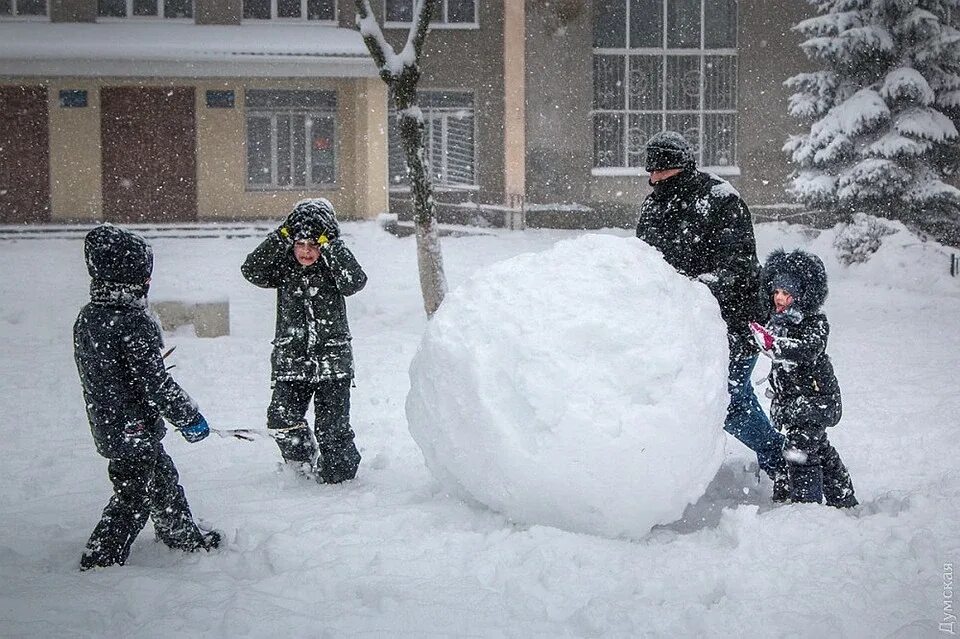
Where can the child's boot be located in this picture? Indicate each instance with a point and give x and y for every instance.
(781, 487)
(806, 483)
(838, 488)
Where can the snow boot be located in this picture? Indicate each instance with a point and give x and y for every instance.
(301, 469)
(338, 466)
(781, 487)
(837, 486)
(101, 553)
(838, 492)
(296, 443)
(806, 483)
(113, 536)
(199, 540)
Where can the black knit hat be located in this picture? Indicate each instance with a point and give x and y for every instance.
(311, 218)
(669, 150)
(116, 255)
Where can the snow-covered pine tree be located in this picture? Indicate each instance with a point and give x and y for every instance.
(880, 139)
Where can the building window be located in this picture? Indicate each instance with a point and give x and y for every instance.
(448, 141)
(446, 12)
(664, 64)
(145, 8)
(22, 8)
(291, 139)
(321, 10)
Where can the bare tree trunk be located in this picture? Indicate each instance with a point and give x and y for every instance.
(401, 74)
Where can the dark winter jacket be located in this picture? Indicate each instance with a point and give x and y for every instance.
(312, 339)
(117, 347)
(804, 385)
(702, 228)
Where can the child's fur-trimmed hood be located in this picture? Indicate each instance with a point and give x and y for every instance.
(805, 269)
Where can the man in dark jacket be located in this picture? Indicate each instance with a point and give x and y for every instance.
(703, 229)
(128, 392)
(806, 394)
(313, 271)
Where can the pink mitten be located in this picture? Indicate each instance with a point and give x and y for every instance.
(763, 337)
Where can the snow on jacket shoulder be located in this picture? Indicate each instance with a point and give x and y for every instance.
(702, 227)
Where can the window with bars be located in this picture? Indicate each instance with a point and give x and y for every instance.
(320, 10)
(291, 139)
(664, 65)
(145, 8)
(449, 12)
(449, 141)
(22, 8)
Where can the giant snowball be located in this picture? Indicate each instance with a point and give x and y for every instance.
(583, 387)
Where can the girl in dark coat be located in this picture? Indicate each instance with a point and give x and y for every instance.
(806, 394)
(313, 271)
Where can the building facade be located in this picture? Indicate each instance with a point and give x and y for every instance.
(536, 111)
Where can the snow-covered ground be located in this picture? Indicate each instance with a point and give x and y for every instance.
(391, 555)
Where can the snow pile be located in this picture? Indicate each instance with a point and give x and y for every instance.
(583, 387)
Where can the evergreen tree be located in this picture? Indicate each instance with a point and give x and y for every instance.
(880, 139)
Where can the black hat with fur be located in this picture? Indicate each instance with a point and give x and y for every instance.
(799, 273)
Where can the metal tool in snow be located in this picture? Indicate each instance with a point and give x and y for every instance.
(250, 434)
(246, 434)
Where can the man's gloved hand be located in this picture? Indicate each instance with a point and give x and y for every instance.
(196, 431)
(710, 279)
(763, 337)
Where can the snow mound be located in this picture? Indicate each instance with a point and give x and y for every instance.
(583, 387)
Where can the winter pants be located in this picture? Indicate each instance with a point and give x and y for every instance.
(330, 448)
(815, 469)
(144, 485)
(746, 420)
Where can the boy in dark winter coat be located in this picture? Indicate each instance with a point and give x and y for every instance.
(313, 271)
(806, 395)
(704, 230)
(128, 392)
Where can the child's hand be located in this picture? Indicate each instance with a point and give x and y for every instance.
(331, 230)
(763, 337)
(283, 234)
(197, 431)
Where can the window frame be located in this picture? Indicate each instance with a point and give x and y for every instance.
(303, 19)
(309, 113)
(161, 5)
(13, 16)
(445, 113)
(436, 22)
(663, 54)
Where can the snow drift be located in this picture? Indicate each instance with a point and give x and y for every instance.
(583, 387)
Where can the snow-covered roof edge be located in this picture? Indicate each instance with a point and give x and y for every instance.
(177, 49)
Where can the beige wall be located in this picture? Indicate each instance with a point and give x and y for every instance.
(361, 191)
(370, 142)
(75, 169)
(361, 153)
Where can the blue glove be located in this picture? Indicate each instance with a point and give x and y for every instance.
(197, 431)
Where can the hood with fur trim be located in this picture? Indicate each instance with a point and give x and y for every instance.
(806, 273)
